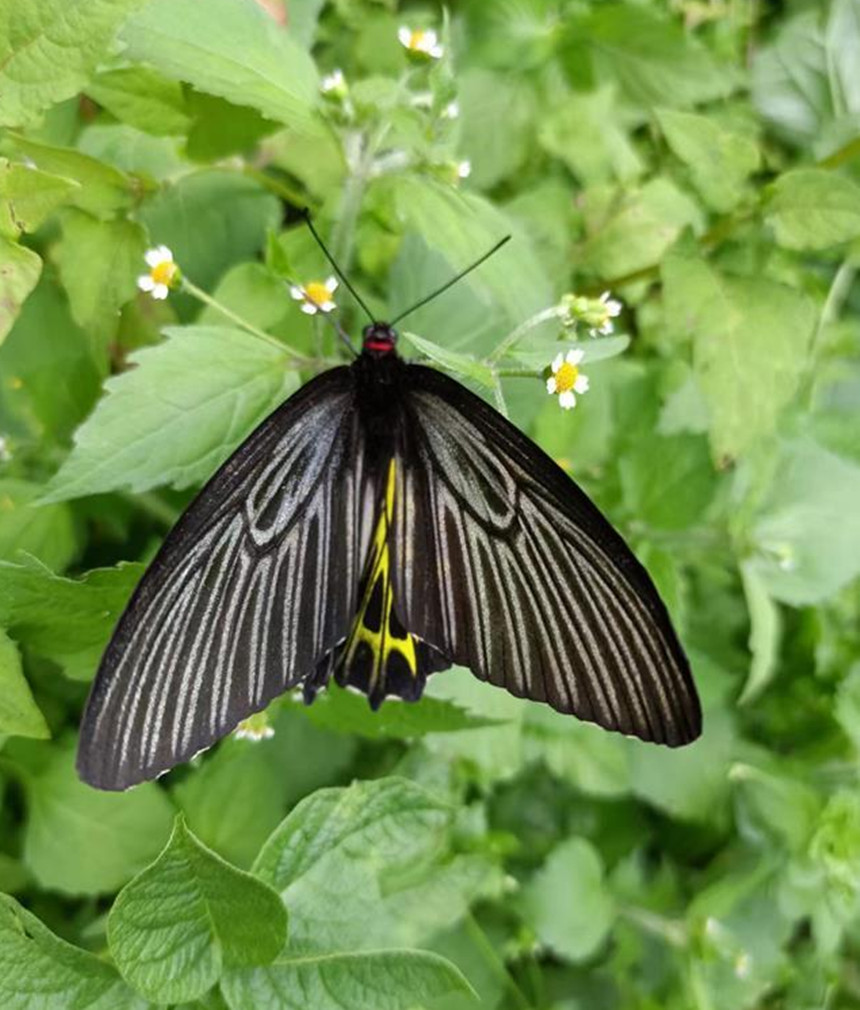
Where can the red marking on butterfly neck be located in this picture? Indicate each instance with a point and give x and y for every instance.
(379, 338)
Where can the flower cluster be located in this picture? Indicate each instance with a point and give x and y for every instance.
(596, 314)
(255, 728)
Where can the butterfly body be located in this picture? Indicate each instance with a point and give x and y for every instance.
(381, 525)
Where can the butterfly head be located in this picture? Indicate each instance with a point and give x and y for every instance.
(379, 339)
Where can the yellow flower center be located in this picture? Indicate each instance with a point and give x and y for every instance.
(317, 293)
(416, 39)
(565, 377)
(163, 272)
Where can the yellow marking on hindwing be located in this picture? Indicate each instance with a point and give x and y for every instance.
(381, 641)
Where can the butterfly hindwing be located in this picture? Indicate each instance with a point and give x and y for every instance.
(253, 588)
(505, 566)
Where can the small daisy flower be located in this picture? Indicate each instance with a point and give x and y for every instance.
(420, 42)
(566, 379)
(163, 274)
(334, 84)
(604, 316)
(315, 296)
(451, 110)
(256, 727)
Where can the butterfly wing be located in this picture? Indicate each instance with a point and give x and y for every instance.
(251, 590)
(505, 566)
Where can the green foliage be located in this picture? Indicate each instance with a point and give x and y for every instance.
(699, 162)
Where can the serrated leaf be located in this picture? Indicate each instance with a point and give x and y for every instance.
(810, 208)
(28, 196)
(174, 928)
(20, 269)
(102, 189)
(177, 416)
(720, 160)
(142, 98)
(383, 980)
(67, 620)
(750, 338)
(199, 44)
(49, 49)
(68, 822)
(460, 364)
(567, 902)
(39, 971)
(19, 714)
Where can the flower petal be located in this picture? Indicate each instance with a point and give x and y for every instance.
(297, 293)
(145, 282)
(575, 355)
(309, 308)
(557, 362)
(550, 385)
(581, 384)
(404, 36)
(152, 257)
(331, 285)
(160, 292)
(567, 400)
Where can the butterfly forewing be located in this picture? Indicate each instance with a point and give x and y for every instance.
(251, 590)
(506, 567)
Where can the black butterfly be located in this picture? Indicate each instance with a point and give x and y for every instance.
(382, 524)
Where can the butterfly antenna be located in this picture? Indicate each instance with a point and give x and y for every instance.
(306, 214)
(453, 281)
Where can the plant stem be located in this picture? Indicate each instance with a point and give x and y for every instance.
(207, 299)
(544, 316)
(495, 962)
(276, 186)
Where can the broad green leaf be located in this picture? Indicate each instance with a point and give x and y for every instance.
(675, 493)
(49, 48)
(775, 807)
(848, 705)
(219, 128)
(39, 971)
(810, 208)
(585, 132)
(211, 220)
(177, 416)
(381, 980)
(67, 620)
(142, 98)
(28, 196)
(842, 43)
(19, 273)
(99, 263)
(132, 151)
(539, 353)
(252, 292)
(808, 531)
(19, 714)
(102, 189)
(750, 339)
(182, 920)
(459, 364)
(632, 230)
(345, 712)
(234, 50)
(720, 160)
(765, 634)
(647, 56)
(68, 822)
(347, 860)
(567, 902)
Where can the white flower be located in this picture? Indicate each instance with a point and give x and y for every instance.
(566, 379)
(420, 42)
(163, 274)
(464, 169)
(256, 727)
(315, 296)
(451, 110)
(333, 83)
(605, 310)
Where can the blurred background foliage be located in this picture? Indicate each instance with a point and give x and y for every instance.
(699, 160)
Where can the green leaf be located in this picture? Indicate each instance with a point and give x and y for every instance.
(68, 822)
(750, 338)
(765, 634)
(210, 220)
(234, 50)
(175, 927)
(567, 903)
(67, 620)
(720, 160)
(775, 807)
(19, 714)
(345, 712)
(810, 208)
(50, 48)
(538, 354)
(177, 416)
(99, 264)
(39, 971)
(254, 293)
(632, 230)
(808, 531)
(28, 196)
(142, 98)
(383, 980)
(460, 364)
(19, 273)
(345, 860)
(848, 705)
(102, 189)
(676, 493)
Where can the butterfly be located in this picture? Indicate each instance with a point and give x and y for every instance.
(383, 524)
